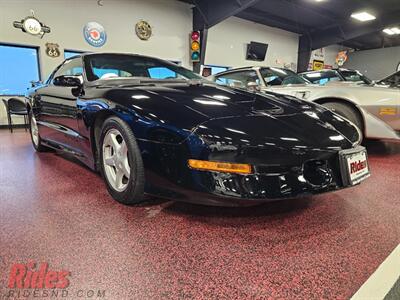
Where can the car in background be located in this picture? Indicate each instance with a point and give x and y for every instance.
(373, 109)
(391, 81)
(151, 126)
(336, 75)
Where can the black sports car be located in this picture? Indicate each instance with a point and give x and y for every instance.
(151, 126)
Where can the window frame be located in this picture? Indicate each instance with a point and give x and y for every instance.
(38, 60)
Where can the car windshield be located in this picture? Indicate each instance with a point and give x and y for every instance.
(277, 76)
(323, 77)
(392, 80)
(354, 76)
(106, 66)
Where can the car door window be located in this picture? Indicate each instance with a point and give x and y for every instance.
(70, 67)
(238, 79)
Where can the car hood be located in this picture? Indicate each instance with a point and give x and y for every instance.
(287, 131)
(260, 116)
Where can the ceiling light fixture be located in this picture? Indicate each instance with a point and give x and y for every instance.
(392, 30)
(363, 16)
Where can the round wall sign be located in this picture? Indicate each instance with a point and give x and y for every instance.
(143, 30)
(94, 34)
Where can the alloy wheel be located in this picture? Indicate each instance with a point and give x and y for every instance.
(34, 131)
(115, 160)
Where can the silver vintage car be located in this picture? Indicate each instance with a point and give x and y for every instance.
(374, 109)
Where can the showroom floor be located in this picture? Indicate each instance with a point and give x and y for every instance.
(57, 211)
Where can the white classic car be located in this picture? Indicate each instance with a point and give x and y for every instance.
(375, 110)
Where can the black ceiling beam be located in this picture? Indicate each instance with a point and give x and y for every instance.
(304, 54)
(208, 13)
(269, 19)
(351, 30)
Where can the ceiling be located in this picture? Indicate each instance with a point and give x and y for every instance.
(324, 23)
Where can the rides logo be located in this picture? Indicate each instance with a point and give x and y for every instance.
(94, 34)
(28, 276)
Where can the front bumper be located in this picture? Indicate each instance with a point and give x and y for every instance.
(268, 183)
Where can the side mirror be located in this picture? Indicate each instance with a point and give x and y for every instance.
(68, 80)
(253, 86)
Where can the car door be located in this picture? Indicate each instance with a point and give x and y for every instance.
(55, 107)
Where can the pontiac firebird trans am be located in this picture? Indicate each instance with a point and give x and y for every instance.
(150, 126)
(374, 109)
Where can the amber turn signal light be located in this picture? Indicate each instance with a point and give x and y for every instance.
(219, 166)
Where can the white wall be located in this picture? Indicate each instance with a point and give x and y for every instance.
(375, 64)
(227, 42)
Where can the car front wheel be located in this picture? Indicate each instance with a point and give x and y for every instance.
(121, 162)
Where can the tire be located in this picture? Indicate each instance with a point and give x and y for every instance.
(121, 163)
(35, 136)
(347, 112)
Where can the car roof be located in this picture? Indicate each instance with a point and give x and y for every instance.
(327, 70)
(112, 53)
(245, 68)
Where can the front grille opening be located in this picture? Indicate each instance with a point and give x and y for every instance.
(317, 173)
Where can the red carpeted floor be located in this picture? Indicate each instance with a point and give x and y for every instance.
(55, 210)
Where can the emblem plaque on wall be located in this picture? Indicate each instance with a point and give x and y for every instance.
(32, 26)
(52, 49)
(143, 30)
(95, 34)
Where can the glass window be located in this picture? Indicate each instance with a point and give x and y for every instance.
(19, 66)
(70, 67)
(354, 76)
(217, 69)
(71, 53)
(238, 79)
(161, 73)
(277, 76)
(102, 66)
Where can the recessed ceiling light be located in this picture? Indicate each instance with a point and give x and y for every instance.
(363, 16)
(388, 31)
(392, 31)
(396, 30)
